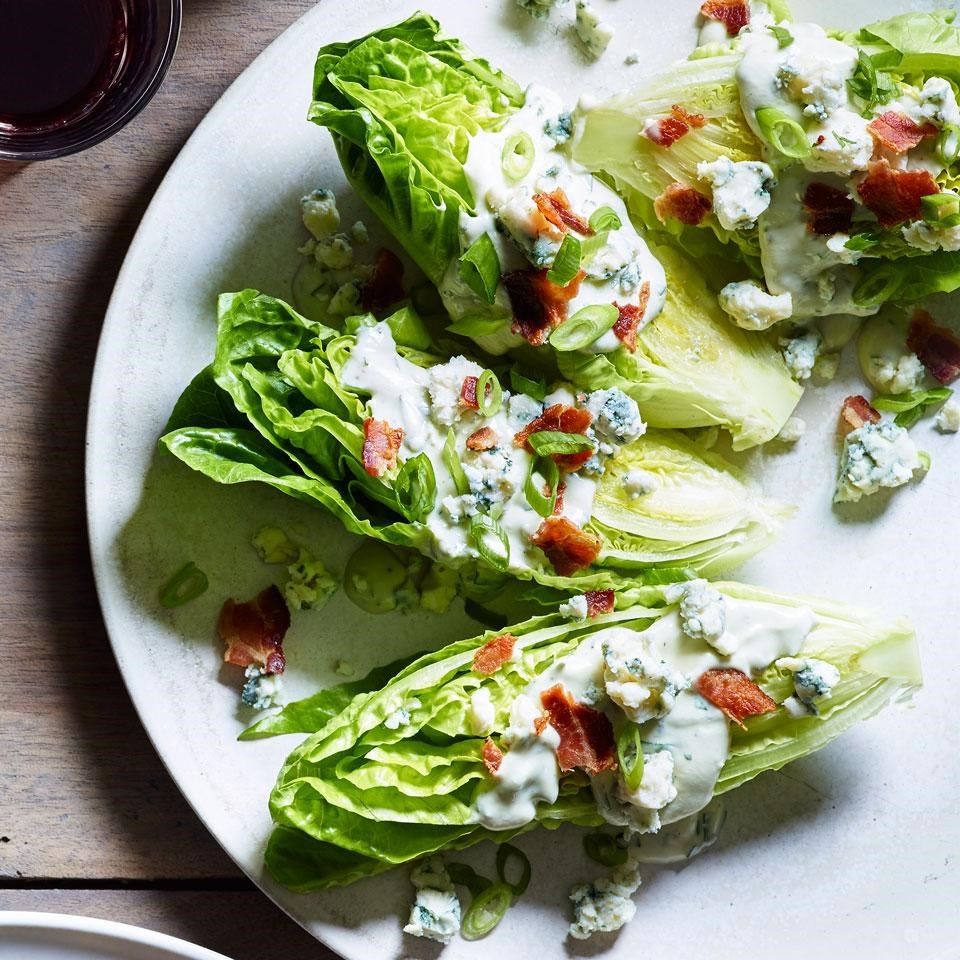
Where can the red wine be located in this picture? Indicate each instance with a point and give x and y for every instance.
(58, 59)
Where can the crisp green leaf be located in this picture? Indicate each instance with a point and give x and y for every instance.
(479, 268)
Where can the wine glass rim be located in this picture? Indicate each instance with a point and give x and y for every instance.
(144, 93)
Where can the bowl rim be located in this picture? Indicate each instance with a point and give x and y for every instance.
(146, 94)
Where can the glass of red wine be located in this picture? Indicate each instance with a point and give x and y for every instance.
(73, 72)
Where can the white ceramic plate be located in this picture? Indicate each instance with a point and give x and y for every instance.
(848, 851)
(59, 936)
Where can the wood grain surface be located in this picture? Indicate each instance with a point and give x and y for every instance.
(85, 803)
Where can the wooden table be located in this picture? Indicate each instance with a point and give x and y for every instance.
(90, 822)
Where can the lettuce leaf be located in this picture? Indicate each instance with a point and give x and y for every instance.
(916, 43)
(373, 796)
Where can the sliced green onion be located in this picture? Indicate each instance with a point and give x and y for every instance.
(451, 460)
(939, 207)
(591, 246)
(566, 264)
(604, 218)
(910, 407)
(550, 473)
(517, 156)
(630, 755)
(479, 267)
(547, 443)
(489, 404)
(532, 388)
(486, 911)
(478, 326)
(878, 286)
(925, 460)
(188, 583)
(416, 488)
(482, 529)
(464, 875)
(585, 326)
(505, 852)
(604, 849)
(783, 133)
(948, 145)
(783, 36)
(869, 84)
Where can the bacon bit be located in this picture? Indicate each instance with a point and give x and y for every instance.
(558, 503)
(586, 735)
(628, 322)
(599, 601)
(540, 723)
(682, 203)
(733, 14)
(666, 132)
(894, 195)
(829, 210)
(563, 419)
(381, 444)
(494, 654)
(855, 412)
(568, 548)
(254, 631)
(385, 287)
(555, 207)
(492, 756)
(897, 133)
(482, 439)
(538, 305)
(468, 393)
(937, 347)
(734, 693)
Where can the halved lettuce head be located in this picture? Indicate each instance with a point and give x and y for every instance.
(366, 791)
(272, 409)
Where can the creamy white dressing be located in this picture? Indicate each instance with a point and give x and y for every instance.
(505, 211)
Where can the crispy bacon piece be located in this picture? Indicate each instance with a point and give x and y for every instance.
(897, 133)
(734, 693)
(538, 305)
(855, 412)
(541, 723)
(563, 419)
(492, 756)
(599, 601)
(381, 444)
(385, 287)
(586, 735)
(254, 631)
(937, 347)
(482, 439)
(894, 195)
(568, 548)
(494, 654)
(829, 210)
(682, 203)
(628, 322)
(468, 393)
(733, 14)
(558, 503)
(555, 207)
(668, 130)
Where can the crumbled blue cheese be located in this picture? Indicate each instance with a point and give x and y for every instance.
(482, 713)
(656, 790)
(874, 456)
(559, 128)
(841, 144)
(929, 238)
(435, 914)
(616, 416)
(575, 608)
(594, 33)
(539, 8)
(310, 584)
(703, 615)
(261, 690)
(320, 214)
(902, 374)
(344, 668)
(632, 58)
(800, 354)
(521, 409)
(938, 103)
(636, 679)
(638, 483)
(792, 430)
(826, 366)
(274, 546)
(948, 417)
(752, 307)
(813, 680)
(401, 716)
(741, 191)
(444, 385)
(605, 905)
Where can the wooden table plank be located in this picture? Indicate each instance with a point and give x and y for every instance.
(82, 793)
(243, 925)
